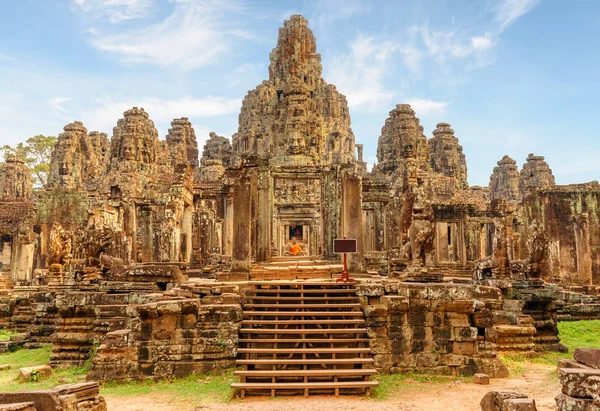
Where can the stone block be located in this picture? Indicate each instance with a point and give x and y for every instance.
(494, 400)
(482, 379)
(35, 373)
(567, 403)
(573, 381)
(566, 363)
(519, 404)
(588, 356)
(20, 406)
(4, 367)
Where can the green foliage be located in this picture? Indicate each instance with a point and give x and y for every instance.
(36, 152)
(6, 334)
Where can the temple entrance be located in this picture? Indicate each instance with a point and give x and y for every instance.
(295, 234)
(295, 231)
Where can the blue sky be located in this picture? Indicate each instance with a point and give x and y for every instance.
(511, 76)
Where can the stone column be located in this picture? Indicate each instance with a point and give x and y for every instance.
(263, 214)
(241, 223)
(352, 220)
(330, 211)
(583, 249)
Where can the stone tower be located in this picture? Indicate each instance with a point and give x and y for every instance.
(78, 157)
(536, 173)
(15, 181)
(401, 139)
(504, 181)
(295, 117)
(447, 155)
(135, 140)
(182, 144)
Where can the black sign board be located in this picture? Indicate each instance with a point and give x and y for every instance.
(344, 246)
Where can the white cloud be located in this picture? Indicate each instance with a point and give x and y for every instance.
(508, 11)
(116, 11)
(195, 34)
(360, 73)
(57, 106)
(6, 57)
(425, 108)
(482, 42)
(108, 110)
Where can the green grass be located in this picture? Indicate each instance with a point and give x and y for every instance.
(573, 334)
(193, 389)
(28, 358)
(6, 334)
(390, 384)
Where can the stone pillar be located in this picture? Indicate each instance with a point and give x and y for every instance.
(241, 223)
(228, 226)
(352, 220)
(583, 249)
(330, 211)
(263, 214)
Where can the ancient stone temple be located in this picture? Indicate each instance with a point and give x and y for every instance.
(165, 261)
(295, 157)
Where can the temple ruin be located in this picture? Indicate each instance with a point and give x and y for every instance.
(171, 262)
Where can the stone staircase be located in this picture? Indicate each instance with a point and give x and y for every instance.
(303, 338)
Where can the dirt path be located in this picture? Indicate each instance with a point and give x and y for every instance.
(539, 382)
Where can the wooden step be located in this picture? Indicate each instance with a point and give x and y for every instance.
(303, 385)
(304, 322)
(304, 340)
(303, 331)
(304, 290)
(304, 313)
(305, 373)
(308, 298)
(351, 305)
(307, 361)
(276, 351)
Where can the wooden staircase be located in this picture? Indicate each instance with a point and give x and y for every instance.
(303, 338)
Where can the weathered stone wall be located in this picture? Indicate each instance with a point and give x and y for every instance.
(170, 339)
(432, 328)
(571, 218)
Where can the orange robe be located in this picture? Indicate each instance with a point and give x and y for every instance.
(295, 249)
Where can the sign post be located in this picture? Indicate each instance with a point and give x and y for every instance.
(344, 246)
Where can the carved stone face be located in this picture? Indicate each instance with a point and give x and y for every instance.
(296, 142)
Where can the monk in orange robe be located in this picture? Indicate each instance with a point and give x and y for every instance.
(295, 248)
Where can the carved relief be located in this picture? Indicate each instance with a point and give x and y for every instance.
(289, 190)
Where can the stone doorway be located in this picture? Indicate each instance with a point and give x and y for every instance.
(298, 232)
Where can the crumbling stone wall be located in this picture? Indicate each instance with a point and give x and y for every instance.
(432, 328)
(170, 339)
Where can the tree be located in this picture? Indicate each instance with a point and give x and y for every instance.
(36, 152)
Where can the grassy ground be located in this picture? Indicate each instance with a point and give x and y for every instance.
(573, 334)
(28, 358)
(214, 388)
(6, 334)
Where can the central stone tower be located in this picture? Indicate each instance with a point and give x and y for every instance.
(295, 153)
